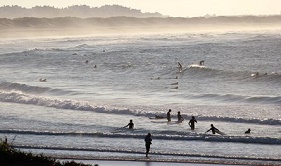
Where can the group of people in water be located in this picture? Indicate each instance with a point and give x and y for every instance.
(191, 123)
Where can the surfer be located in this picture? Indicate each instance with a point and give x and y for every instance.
(131, 125)
(214, 130)
(147, 140)
(180, 66)
(248, 131)
(169, 115)
(201, 63)
(191, 123)
(180, 118)
(42, 80)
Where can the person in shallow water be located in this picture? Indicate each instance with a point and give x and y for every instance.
(169, 115)
(191, 123)
(180, 118)
(214, 130)
(131, 125)
(148, 141)
(248, 131)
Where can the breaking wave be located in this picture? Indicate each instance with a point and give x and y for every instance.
(23, 98)
(164, 135)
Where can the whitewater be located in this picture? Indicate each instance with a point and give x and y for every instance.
(70, 97)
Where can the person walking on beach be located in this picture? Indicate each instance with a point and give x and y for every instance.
(148, 141)
(191, 123)
(180, 118)
(214, 130)
(169, 115)
(131, 125)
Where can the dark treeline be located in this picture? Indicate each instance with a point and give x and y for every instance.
(74, 22)
(81, 11)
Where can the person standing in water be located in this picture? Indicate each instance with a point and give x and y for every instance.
(191, 123)
(169, 115)
(148, 141)
(180, 118)
(131, 125)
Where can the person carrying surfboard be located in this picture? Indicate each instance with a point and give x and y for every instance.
(213, 129)
(131, 125)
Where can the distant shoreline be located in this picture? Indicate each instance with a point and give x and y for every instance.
(72, 26)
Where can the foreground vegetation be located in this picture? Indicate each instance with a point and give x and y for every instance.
(10, 156)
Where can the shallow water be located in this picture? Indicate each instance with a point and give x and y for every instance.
(81, 108)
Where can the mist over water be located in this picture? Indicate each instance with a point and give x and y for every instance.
(96, 84)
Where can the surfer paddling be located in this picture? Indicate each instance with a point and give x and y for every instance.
(248, 131)
(131, 125)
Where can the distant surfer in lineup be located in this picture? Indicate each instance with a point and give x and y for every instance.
(148, 141)
(192, 122)
(248, 131)
(169, 115)
(180, 67)
(42, 80)
(180, 118)
(131, 125)
(201, 63)
(213, 129)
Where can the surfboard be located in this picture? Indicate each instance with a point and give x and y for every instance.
(196, 66)
(175, 122)
(220, 133)
(153, 121)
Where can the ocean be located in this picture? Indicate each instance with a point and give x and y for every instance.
(70, 97)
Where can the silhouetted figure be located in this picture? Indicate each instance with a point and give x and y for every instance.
(148, 141)
(201, 63)
(248, 131)
(131, 125)
(169, 115)
(214, 130)
(180, 118)
(180, 66)
(192, 122)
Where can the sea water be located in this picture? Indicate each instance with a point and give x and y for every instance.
(91, 86)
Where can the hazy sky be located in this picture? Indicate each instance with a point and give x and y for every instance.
(174, 8)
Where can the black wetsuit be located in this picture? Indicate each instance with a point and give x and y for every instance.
(192, 123)
(147, 143)
(131, 125)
